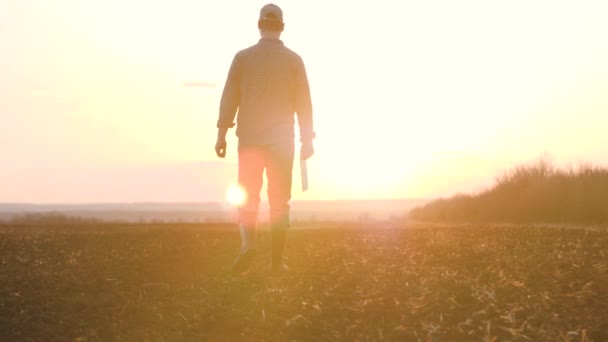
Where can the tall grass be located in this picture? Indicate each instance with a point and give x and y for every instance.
(538, 192)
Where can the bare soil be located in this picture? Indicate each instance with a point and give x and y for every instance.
(172, 283)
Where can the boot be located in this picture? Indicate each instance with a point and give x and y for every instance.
(279, 238)
(248, 249)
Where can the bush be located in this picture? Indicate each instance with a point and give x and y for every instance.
(530, 193)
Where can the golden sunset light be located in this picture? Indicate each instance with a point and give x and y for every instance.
(416, 100)
(238, 170)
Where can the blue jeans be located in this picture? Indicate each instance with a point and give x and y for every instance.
(277, 160)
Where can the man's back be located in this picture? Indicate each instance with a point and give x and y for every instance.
(268, 84)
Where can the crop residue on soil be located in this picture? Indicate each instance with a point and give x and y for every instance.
(172, 282)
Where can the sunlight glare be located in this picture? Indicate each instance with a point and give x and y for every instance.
(235, 195)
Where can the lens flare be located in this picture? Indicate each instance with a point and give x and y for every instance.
(236, 196)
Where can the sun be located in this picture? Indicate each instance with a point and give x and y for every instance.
(236, 196)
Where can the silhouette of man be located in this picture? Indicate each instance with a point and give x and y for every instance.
(267, 84)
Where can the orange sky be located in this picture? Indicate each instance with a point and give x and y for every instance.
(411, 99)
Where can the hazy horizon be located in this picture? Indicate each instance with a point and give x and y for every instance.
(307, 210)
(222, 201)
(117, 101)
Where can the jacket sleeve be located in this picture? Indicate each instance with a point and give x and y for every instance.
(230, 97)
(303, 103)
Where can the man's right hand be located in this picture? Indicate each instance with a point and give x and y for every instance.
(220, 147)
(307, 150)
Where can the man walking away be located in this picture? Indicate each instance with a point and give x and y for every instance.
(267, 84)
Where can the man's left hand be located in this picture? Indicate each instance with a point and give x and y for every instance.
(307, 150)
(220, 147)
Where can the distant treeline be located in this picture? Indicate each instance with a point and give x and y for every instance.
(49, 218)
(538, 192)
(70, 219)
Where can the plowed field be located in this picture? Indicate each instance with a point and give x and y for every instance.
(172, 283)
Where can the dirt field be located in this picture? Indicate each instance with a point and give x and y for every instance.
(171, 283)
